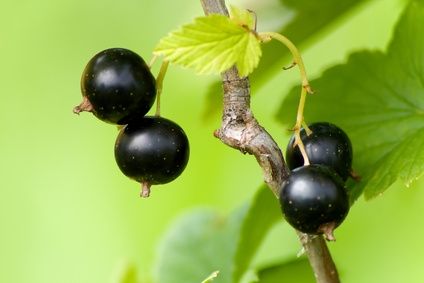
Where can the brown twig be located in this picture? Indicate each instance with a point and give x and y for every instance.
(240, 130)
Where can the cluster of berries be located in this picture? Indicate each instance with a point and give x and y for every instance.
(314, 198)
(119, 88)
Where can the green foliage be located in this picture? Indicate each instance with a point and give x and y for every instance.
(204, 241)
(213, 44)
(198, 244)
(298, 271)
(263, 213)
(310, 19)
(313, 16)
(242, 17)
(378, 98)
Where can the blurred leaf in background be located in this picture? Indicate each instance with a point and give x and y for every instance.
(298, 270)
(203, 241)
(196, 245)
(263, 213)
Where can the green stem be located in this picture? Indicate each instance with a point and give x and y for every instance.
(297, 60)
(152, 61)
(298, 126)
(159, 84)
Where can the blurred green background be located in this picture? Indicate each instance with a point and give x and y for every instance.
(66, 212)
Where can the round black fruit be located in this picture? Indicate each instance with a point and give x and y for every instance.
(313, 200)
(327, 144)
(152, 150)
(117, 86)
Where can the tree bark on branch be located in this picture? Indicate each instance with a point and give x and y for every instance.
(240, 130)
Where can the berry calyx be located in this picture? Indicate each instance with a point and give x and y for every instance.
(152, 150)
(327, 145)
(314, 201)
(117, 86)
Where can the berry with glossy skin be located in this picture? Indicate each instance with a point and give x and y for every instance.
(313, 200)
(152, 150)
(327, 144)
(117, 86)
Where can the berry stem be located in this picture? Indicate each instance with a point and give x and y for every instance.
(297, 61)
(297, 58)
(307, 129)
(159, 84)
(298, 126)
(152, 61)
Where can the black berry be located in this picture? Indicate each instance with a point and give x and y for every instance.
(117, 86)
(152, 150)
(313, 200)
(327, 144)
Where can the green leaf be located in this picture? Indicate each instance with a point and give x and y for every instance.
(263, 213)
(204, 241)
(310, 19)
(198, 244)
(242, 17)
(378, 98)
(297, 270)
(212, 44)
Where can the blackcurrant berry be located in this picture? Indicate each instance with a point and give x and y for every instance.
(117, 86)
(327, 144)
(152, 150)
(313, 200)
